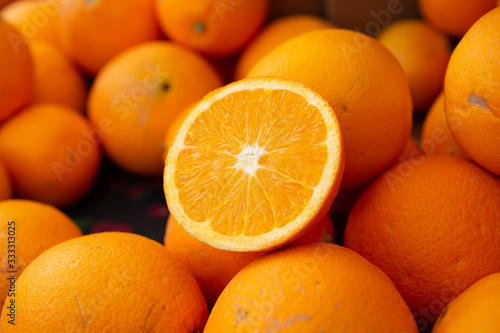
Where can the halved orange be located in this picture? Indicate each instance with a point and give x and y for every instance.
(255, 165)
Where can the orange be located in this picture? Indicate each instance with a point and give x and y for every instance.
(276, 33)
(436, 135)
(217, 28)
(432, 225)
(56, 78)
(5, 184)
(107, 282)
(476, 310)
(140, 93)
(316, 287)
(472, 92)
(35, 20)
(173, 128)
(96, 31)
(364, 84)
(16, 71)
(34, 228)
(51, 152)
(214, 268)
(345, 200)
(423, 52)
(254, 165)
(454, 17)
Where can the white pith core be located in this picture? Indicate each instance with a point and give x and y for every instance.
(248, 159)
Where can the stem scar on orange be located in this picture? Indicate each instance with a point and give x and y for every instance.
(215, 28)
(255, 165)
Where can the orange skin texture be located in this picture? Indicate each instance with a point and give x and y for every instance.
(16, 71)
(432, 225)
(436, 135)
(346, 199)
(316, 287)
(168, 78)
(214, 268)
(5, 183)
(452, 16)
(364, 84)
(41, 146)
(219, 28)
(274, 34)
(56, 78)
(174, 127)
(96, 31)
(107, 282)
(472, 92)
(423, 52)
(33, 20)
(476, 310)
(37, 228)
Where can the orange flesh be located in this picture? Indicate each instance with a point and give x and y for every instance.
(263, 160)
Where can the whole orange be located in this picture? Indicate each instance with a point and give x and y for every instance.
(32, 227)
(217, 28)
(107, 282)
(454, 17)
(5, 183)
(96, 31)
(433, 226)
(315, 287)
(364, 84)
(16, 71)
(56, 78)
(51, 152)
(140, 93)
(423, 52)
(34, 19)
(274, 34)
(214, 268)
(436, 135)
(477, 309)
(472, 92)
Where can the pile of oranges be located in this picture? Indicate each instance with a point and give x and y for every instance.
(264, 118)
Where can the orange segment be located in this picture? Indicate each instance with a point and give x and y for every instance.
(254, 165)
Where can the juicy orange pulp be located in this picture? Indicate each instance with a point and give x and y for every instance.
(254, 164)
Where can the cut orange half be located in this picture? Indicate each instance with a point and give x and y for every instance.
(254, 165)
